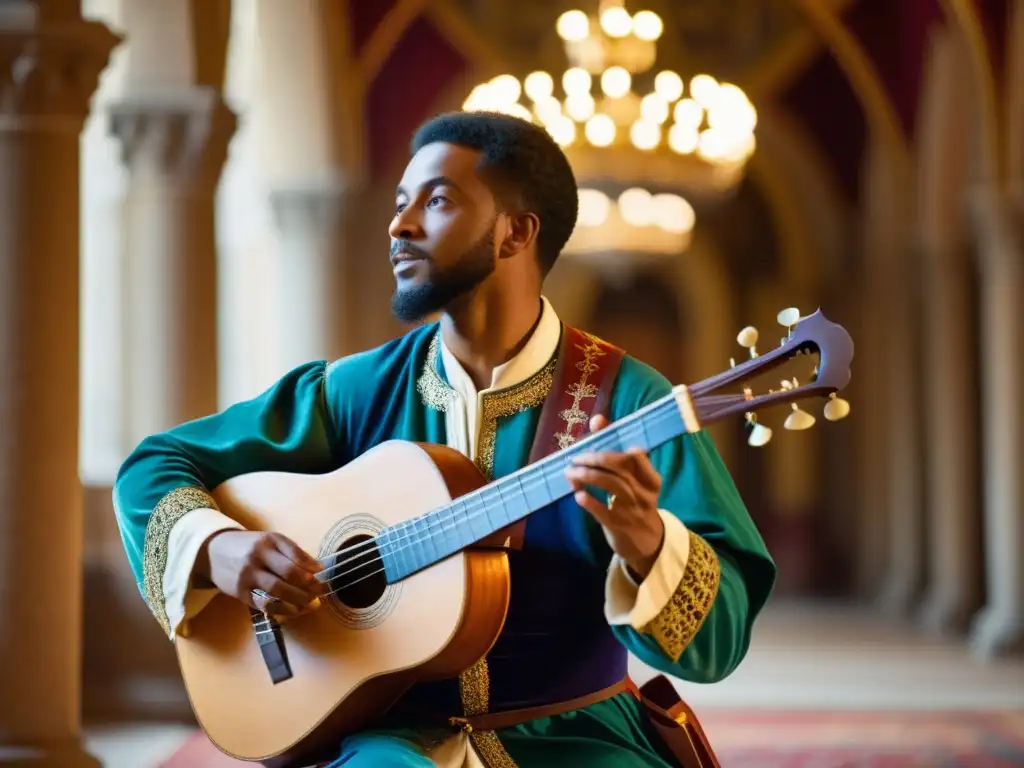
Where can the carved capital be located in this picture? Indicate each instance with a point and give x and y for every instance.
(49, 68)
(183, 134)
(314, 209)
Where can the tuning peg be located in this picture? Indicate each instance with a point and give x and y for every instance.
(798, 419)
(788, 318)
(759, 433)
(748, 338)
(836, 408)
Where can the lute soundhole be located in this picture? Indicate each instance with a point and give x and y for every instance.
(359, 595)
(358, 580)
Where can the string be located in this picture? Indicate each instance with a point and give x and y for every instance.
(659, 419)
(534, 468)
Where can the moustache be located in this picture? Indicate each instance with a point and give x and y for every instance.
(404, 246)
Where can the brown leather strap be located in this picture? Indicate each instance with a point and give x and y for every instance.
(493, 721)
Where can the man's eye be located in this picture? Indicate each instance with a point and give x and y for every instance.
(399, 208)
(437, 200)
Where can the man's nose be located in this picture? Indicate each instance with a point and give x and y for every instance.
(406, 225)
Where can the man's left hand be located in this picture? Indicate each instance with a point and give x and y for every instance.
(631, 522)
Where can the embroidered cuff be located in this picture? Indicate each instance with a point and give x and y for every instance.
(182, 600)
(627, 602)
(168, 511)
(682, 617)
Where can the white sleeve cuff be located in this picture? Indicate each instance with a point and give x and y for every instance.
(182, 601)
(626, 602)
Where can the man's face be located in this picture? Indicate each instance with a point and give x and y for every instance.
(443, 233)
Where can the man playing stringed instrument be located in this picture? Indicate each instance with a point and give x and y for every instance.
(650, 555)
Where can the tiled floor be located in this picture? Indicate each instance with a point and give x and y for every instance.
(802, 657)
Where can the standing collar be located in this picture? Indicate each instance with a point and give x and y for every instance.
(538, 351)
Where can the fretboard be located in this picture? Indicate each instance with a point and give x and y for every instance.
(422, 541)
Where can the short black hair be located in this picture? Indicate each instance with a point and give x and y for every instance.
(523, 166)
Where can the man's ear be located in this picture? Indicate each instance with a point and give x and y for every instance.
(523, 229)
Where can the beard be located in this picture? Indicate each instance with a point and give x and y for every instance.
(445, 285)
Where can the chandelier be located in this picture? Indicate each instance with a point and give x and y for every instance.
(618, 118)
(610, 96)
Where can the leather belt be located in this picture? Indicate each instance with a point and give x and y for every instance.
(493, 721)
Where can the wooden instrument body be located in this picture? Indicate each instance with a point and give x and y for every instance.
(348, 665)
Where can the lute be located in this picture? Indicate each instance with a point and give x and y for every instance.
(413, 595)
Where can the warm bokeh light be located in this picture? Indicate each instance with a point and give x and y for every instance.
(668, 85)
(594, 207)
(576, 80)
(616, 22)
(616, 82)
(703, 89)
(697, 115)
(538, 85)
(505, 89)
(683, 138)
(645, 135)
(647, 25)
(672, 213)
(580, 106)
(636, 207)
(573, 25)
(654, 108)
(600, 130)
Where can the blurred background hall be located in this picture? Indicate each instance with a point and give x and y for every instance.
(194, 197)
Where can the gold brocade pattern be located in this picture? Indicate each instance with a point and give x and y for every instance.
(579, 391)
(475, 691)
(434, 391)
(169, 510)
(508, 402)
(679, 621)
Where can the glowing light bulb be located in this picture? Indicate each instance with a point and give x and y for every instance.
(616, 81)
(576, 80)
(538, 85)
(562, 130)
(505, 89)
(688, 112)
(654, 108)
(647, 26)
(635, 206)
(548, 109)
(593, 207)
(600, 130)
(573, 25)
(683, 139)
(673, 214)
(616, 22)
(668, 85)
(704, 89)
(579, 106)
(645, 135)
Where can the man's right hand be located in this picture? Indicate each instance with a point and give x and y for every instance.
(238, 562)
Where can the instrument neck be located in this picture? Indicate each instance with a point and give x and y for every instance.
(418, 543)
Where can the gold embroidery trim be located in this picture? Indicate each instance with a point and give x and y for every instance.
(508, 402)
(580, 391)
(435, 392)
(475, 690)
(679, 621)
(168, 511)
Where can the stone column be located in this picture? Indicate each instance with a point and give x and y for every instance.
(315, 178)
(895, 527)
(50, 60)
(950, 381)
(175, 143)
(1000, 627)
(316, 286)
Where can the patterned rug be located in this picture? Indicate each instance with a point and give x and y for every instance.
(832, 739)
